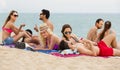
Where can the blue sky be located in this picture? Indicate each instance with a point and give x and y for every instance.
(61, 6)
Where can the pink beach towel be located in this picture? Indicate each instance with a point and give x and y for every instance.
(72, 55)
(65, 55)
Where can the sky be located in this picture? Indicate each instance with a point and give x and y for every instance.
(61, 6)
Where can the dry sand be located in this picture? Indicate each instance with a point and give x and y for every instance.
(16, 59)
(0, 37)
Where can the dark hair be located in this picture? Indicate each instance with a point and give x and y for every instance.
(63, 45)
(63, 29)
(8, 18)
(98, 20)
(106, 27)
(28, 30)
(46, 12)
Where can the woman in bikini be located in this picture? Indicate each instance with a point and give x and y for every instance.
(106, 31)
(48, 40)
(88, 47)
(9, 27)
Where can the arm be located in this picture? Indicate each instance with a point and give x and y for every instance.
(15, 29)
(76, 38)
(36, 28)
(50, 25)
(51, 43)
(22, 25)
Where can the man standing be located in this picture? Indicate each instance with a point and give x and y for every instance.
(92, 34)
(44, 16)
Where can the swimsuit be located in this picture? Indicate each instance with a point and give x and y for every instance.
(104, 49)
(8, 30)
(55, 47)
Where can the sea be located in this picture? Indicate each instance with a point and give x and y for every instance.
(80, 22)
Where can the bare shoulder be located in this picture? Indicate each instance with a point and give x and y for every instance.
(49, 22)
(9, 25)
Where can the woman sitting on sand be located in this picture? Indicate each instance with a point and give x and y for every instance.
(9, 27)
(48, 40)
(106, 31)
(87, 47)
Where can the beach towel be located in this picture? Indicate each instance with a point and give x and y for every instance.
(64, 55)
(47, 51)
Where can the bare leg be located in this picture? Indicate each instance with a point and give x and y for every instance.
(118, 45)
(20, 35)
(110, 40)
(116, 52)
(84, 50)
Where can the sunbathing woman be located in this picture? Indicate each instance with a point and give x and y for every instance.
(48, 40)
(87, 47)
(9, 27)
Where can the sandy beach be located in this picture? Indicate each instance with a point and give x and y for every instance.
(17, 59)
(0, 37)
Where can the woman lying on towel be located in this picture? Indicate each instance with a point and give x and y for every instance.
(9, 27)
(48, 40)
(87, 47)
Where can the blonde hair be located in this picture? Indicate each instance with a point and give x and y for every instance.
(42, 28)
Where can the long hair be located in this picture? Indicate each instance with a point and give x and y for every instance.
(44, 27)
(106, 27)
(63, 29)
(9, 17)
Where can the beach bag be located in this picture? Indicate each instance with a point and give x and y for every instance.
(20, 45)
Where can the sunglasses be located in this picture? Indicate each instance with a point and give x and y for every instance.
(69, 32)
(15, 15)
(43, 32)
(41, 13)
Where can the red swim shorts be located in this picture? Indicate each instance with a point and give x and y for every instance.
(104, 49)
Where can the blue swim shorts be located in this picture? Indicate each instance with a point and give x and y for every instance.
(8, 41)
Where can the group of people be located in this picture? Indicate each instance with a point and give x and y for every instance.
(102, 44)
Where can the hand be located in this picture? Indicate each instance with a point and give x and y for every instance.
(36, 28)
(22, 25)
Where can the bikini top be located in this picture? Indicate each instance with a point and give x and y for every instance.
(8, 30)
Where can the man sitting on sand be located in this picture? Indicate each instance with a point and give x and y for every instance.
(92, 34)
(44, 16)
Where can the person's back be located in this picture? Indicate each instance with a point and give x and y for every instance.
(50, 25)
(92, 34)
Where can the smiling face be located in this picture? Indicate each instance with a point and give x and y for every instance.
(44, 33)
(100, 24)
(67, 32)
